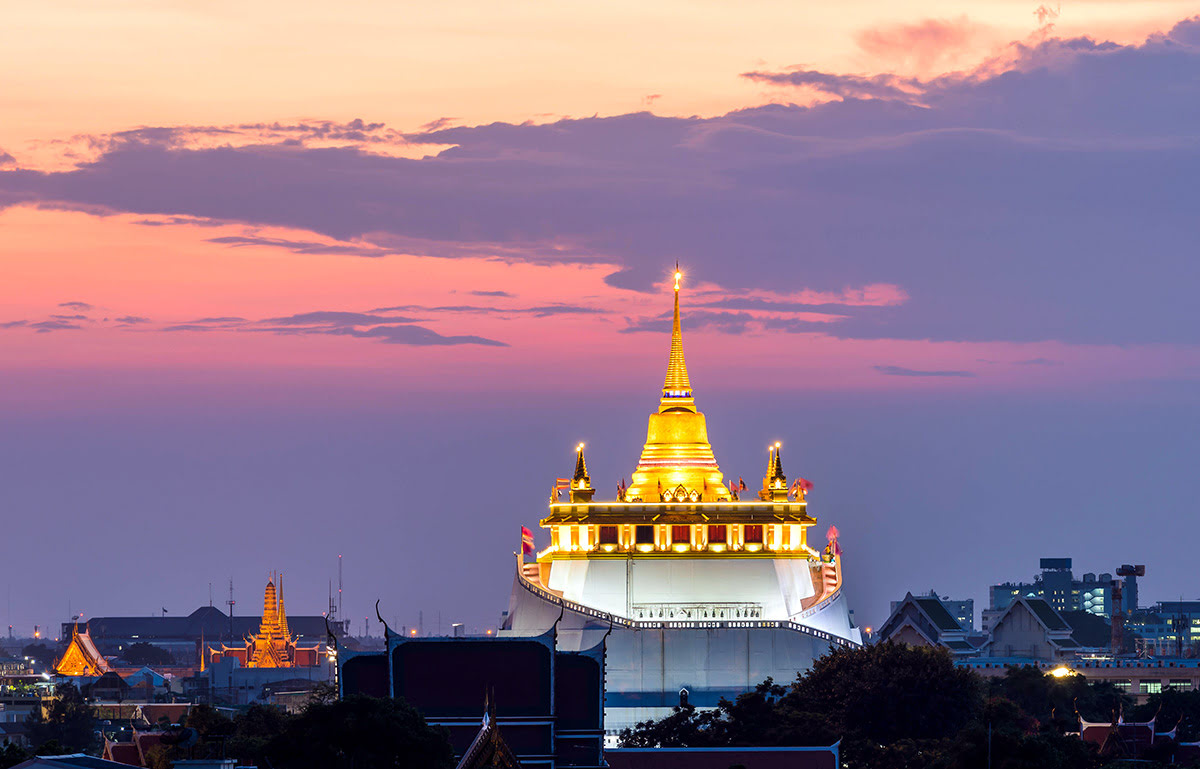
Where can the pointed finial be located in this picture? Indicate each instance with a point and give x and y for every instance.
(581, 472)
(677, 388)
(581, 483)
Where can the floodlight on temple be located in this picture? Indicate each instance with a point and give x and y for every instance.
(688, 556)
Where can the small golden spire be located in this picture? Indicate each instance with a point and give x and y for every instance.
(581, 472)
(581, 483)
(283, 623)
(774, 482)
(677, 387)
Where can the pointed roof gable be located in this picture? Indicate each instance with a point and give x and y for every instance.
(1058, 632)
(81, 657)
(931, 620)
(488, 749)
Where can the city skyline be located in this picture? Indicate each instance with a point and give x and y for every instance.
(946, 259)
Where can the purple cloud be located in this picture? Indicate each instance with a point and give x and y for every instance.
(335, 318)
(76, 305)
(389, 329)
(901, 371)
(46, 326)
(1007, 204)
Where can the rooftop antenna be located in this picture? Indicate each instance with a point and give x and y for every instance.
(339, 606)
(230, 603)
(210, 595)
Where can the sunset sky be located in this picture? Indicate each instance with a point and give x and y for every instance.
(280, 282)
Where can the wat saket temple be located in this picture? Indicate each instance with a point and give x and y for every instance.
(704, 588)
(273, 646)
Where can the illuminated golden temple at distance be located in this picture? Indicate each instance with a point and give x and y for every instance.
(702, 586)
(273, 646)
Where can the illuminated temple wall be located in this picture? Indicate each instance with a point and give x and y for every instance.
(774, 587)
(646, 668)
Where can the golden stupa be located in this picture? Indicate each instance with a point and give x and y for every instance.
(677, 463)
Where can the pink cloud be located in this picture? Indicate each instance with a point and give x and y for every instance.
(928, 46)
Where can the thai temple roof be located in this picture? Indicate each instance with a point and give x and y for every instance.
(81, 657)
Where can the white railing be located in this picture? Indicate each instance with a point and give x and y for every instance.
(633, 624)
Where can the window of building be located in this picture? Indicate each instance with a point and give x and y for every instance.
(681, 535)
(716, 533)
(608, 535)
(753, 533)
(644, 535)
(1151, 687)
(574, 537)
(1120, 683)
(1180, 683)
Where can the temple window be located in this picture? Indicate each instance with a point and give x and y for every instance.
(716, 534)
(574, 537)
(608, 535)
(644, 535)
(681, 535)
(752, 533)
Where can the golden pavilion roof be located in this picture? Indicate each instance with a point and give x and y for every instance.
(81, 657)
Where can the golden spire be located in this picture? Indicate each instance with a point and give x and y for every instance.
(283, 625)
(677, 461)
(270, 616)
(581, 483)
(677, 388)
(581, 473)
(775, 486)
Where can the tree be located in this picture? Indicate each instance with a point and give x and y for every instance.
(887, 691)
(43, 655)
(69, 721)
(1055, 700)
(208, 722)
(142, 653)
(360, 732)
(12, 755)
(253, 730)
(323, 692)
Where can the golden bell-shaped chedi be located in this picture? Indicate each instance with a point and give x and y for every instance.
(677, 463)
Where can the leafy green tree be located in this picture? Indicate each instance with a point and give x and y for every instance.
(360, 732)
(900, 707)
(886, 692)
(1174, 709)
(253, 730)
(323, 692)
(208, 722)
(43, 655)
(142, 653)
(11, 755)
(1056, 700)
(69, 721)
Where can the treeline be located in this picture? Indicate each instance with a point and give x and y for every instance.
(335, 734)
(901, 707)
